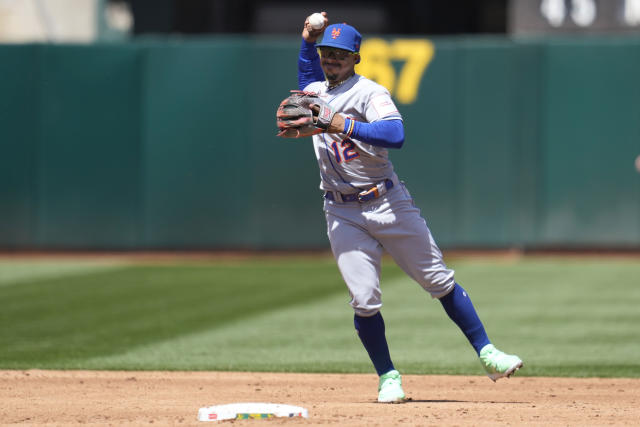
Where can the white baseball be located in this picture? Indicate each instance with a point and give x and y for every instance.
(316, 20)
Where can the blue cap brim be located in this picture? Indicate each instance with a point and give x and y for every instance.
(336, 45)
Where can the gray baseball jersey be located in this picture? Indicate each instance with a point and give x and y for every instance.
(347, 165)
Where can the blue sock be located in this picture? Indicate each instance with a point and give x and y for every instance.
(460, 309)
(371, 333)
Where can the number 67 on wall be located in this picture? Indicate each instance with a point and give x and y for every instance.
(377, 56)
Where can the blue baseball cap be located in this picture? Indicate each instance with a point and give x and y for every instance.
(341, 36)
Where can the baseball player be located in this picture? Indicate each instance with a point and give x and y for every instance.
(367, 208)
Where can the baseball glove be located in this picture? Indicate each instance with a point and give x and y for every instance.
(303, 114)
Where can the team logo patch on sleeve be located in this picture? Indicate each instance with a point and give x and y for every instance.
(384, 105)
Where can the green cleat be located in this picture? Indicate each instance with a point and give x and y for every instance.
(498, 364)
(390, 388)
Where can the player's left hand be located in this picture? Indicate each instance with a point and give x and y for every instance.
(304, 114)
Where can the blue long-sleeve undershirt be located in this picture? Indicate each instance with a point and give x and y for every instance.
(383, 133)
(309, 69)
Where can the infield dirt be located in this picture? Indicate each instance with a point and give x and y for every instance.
(51, 398)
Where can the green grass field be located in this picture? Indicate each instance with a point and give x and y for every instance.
(564, 316)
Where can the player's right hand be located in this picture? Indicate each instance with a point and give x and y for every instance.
(309, 34)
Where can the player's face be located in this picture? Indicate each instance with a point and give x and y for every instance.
(337, 64)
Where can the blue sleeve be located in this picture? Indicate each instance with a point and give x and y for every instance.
(309, 69)
(383, 133)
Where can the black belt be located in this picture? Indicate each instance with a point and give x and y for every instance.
(363, 196)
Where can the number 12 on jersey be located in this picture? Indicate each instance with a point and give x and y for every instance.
(344, 150)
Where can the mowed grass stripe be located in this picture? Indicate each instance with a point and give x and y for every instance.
(313, 336)
(316, 336)
(51, 322)
(14, 271)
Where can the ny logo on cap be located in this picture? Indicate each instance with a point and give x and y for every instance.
(335, 33)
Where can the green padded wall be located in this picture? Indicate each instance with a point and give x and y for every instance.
(591, 190)
(19, 129)
(88, 153)
(170, 144)
(215, 174)
(194, 148)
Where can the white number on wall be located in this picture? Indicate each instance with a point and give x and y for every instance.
(554, 11)
(631, 12)
(583, 12)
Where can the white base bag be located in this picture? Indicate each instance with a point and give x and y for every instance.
(242, 411)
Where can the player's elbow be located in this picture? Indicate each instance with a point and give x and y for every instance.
(396, 139)
(399, 141)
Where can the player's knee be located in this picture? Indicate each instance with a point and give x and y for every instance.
(438, 282)
(365, 307)
(366, 301)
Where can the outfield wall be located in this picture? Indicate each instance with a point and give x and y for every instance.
(171, 144)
